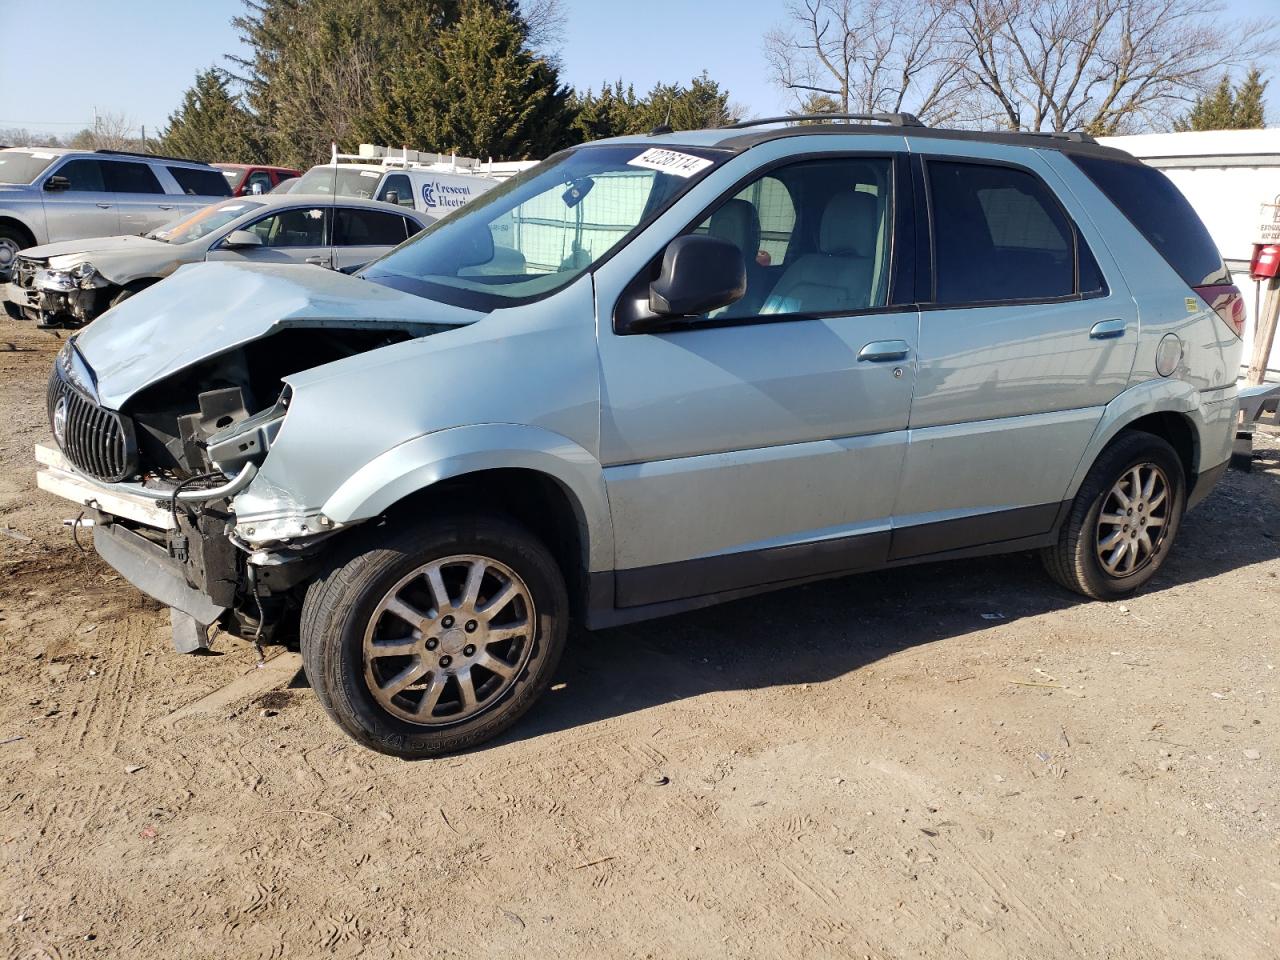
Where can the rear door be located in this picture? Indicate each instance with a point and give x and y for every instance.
(362, 235)
(1027, 331)
(139, 196)
(86, 209)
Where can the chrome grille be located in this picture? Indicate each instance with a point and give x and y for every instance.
(97, 441)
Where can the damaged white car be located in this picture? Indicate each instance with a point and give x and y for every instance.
(68, 284)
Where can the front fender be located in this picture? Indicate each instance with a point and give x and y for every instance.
(1210, 412)
(433, 457)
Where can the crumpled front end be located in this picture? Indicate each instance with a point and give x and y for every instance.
(53, 297)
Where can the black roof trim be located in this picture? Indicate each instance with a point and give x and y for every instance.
(1064, 142)
(892, 119)
(153, 156)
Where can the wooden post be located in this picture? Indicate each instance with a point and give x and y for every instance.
(1264, 334)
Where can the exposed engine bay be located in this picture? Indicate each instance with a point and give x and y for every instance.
(179, 422)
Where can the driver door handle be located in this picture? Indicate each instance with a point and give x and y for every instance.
(105, 206)
(882, 351)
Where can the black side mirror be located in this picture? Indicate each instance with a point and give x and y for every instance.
(699, 273)
(57, 183)
(391, 196)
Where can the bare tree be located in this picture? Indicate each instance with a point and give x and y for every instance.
(544, 21)
(869, 56)
(1104, 66)
(110, 131)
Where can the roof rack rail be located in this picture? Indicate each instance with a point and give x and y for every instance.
(892, 119)
(1073, 136)
(151, 156)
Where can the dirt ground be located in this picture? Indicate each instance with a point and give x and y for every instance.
(957, 760)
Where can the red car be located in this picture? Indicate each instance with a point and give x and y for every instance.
(248, 178)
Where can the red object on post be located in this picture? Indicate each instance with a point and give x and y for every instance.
(1266, 261)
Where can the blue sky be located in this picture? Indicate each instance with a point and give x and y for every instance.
(140, 63)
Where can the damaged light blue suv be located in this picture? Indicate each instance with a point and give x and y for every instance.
(650, 374)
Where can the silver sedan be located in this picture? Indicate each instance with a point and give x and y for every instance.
(68, 284)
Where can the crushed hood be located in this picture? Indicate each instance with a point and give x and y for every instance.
(209, 308)
(77, 250)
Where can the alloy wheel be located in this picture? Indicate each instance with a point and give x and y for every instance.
(449, 640)
(1134, 520)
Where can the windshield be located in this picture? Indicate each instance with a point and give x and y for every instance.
(535, 233)
(350, 181)
(203, 222)
(22, 166)
(234, 176)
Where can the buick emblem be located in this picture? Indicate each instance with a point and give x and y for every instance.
(60, 422)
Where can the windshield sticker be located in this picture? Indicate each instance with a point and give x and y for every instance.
(43, 156)
(670, 161)
(370, 173)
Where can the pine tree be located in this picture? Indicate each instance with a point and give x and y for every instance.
(1249, 107)
(1225, 108)
(210, 124)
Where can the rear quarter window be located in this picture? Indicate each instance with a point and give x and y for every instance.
(201, 183)
(1162, 214)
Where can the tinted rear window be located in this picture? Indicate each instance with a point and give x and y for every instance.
(999, 235)
(1162, 215)
(125, 176)
(201, 183)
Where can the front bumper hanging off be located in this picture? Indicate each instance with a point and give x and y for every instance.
(198, 587)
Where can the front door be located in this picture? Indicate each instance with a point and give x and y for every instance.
(1030, 333)
(296, 235)
(86, 208)
(763, 442)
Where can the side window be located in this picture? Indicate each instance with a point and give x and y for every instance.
(399, 184)
(259, 182)
(201, 183)
(293, 228)
(123, 176)
(815, 237)
(999, 234)
(365, 228)
(777, 216)
(84, 175)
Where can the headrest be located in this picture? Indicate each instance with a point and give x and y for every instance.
(737, 222)
(849, 225)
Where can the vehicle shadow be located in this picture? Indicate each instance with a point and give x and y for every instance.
(819, 631)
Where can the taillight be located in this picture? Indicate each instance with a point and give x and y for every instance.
(1226, 302)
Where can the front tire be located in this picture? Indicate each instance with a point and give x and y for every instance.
(1123, 520)
(438, 637)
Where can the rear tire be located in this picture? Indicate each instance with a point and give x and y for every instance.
(436, 637)
(1122, 521)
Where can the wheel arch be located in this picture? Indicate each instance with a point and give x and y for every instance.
(541, 479)
(8, 220)
(1169, 409)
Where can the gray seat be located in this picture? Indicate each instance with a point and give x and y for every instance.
(738, 222)
(838, 278)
